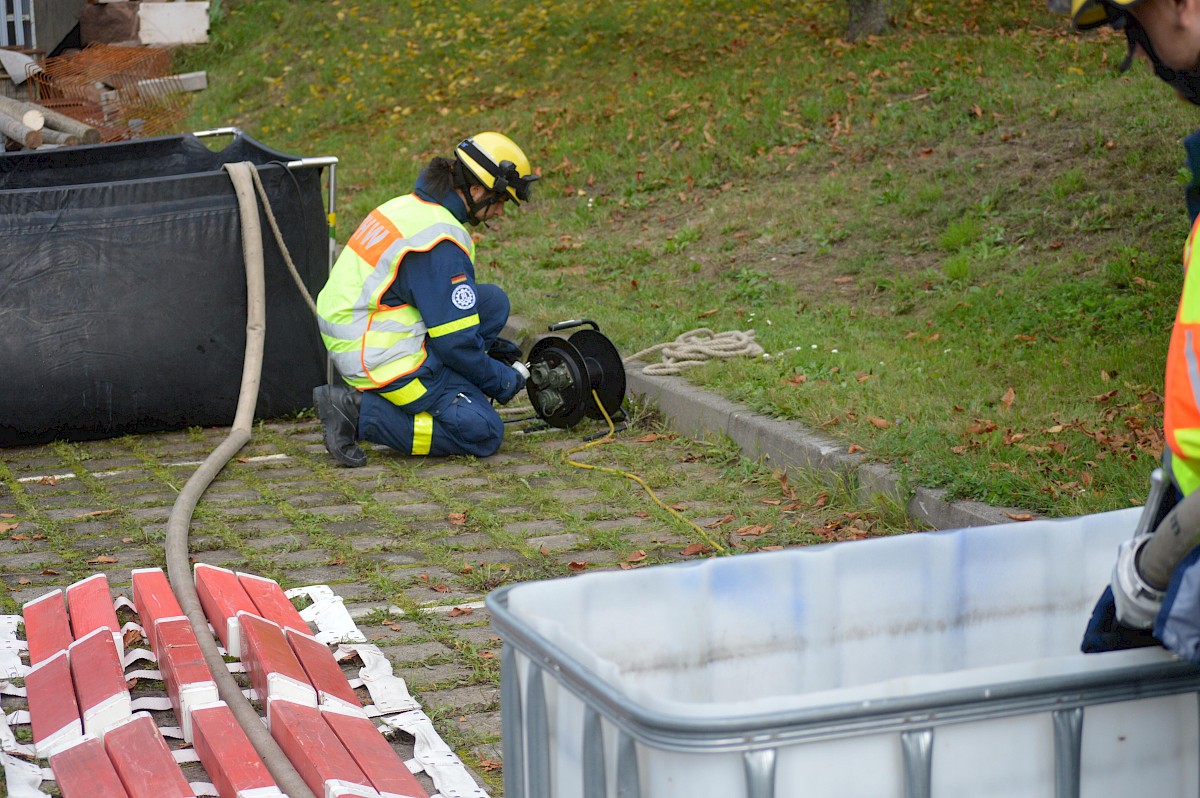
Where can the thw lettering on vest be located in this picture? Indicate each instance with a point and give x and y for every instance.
(373, 237)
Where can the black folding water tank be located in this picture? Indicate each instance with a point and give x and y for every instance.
(123, 289)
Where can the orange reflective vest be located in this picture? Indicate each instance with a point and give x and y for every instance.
(1181, 411)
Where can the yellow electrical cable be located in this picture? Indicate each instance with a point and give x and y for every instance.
(608, 439)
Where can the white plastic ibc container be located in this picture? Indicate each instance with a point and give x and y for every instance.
(941, 665)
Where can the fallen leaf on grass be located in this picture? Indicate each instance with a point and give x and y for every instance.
(719, 522)
(458, 519)
(753, 530)
(882, 423)
(783, 485)
(1020, 516)
(637, 556)
(649, 437)
(4, 528)
(440, 588)
(457, 611)
(708, 313)
(103, 559)
(1009, 396)
(486, 655)
(132, 637)
(490, 764)
(642, 514)
(855, 449)
(695, 548)
(48, 481)
(577, 566)
(7, 515)
(49, 572)
(94, 513)
(796, 380)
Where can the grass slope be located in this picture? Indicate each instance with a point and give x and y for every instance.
(959, 242)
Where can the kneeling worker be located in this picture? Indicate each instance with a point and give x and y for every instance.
(414, 337)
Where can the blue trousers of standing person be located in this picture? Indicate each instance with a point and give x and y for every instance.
(461, 419)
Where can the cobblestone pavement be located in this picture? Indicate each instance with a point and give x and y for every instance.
(413, 545)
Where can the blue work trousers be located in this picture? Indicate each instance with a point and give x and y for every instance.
(461, 419)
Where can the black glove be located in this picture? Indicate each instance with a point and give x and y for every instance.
(1104, 633)
(505, 351)
(512, 384)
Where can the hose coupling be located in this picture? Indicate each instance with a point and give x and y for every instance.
(1137, 602)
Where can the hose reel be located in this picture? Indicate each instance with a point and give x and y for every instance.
(563, 373)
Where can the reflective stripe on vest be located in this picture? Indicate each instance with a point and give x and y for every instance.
(373, 345)
(1181, 409)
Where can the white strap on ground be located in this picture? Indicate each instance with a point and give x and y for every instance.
(23, 779)
(328, 611)
(11, 666)
(436, 758)
(389, 693)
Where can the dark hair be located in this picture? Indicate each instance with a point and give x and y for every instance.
(439, 176)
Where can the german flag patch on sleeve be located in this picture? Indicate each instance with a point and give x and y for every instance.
(458, 278)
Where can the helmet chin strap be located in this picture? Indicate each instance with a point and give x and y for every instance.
(1185, 82)
(476, 210)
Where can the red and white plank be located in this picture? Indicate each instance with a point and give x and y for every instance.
(228, 755)
(323, 671)
(154, 600)
(222, 597)
(90, 606)
(315, 750)
(372, 752)
(99, 679)
(143, 760)
(185, 672)
(272, 666)
(272, 603)
(84, 770)
(47, 628)
(53, 710)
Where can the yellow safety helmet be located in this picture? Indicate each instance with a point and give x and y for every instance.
(498, 163)
(1086, 14)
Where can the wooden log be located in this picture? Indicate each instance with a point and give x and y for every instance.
(26, 114)
(59, 138)
(86, 133)
(20, 133)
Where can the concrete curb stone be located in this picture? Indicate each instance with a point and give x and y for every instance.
(785, 444)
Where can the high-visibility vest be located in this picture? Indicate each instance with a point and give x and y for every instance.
(1181, 410)
(373, 345)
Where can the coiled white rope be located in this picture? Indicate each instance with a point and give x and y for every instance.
(697, 347)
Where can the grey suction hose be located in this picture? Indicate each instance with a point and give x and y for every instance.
(179, 571)
(1176, 535)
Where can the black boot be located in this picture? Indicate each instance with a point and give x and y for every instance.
(337, 405)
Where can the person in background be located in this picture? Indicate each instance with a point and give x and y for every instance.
(414, 337)
(1134, 612)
